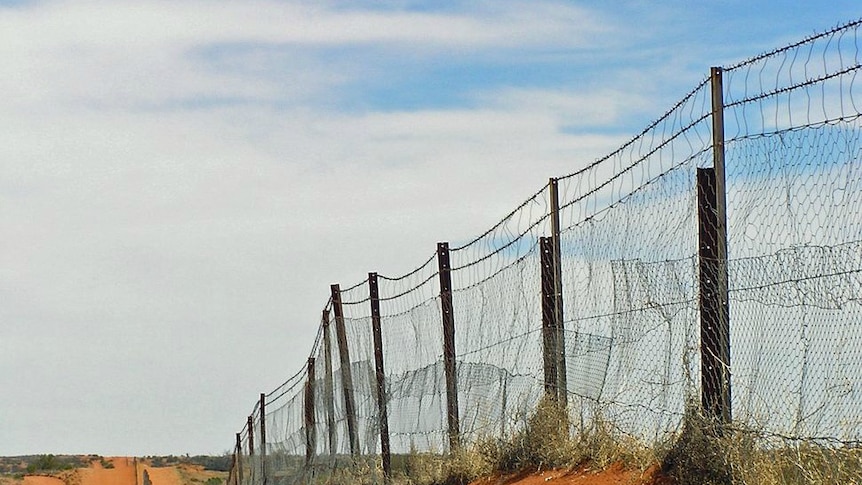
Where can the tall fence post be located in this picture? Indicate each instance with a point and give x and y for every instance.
(328, 394)
(714, 334)
(239, 459)
(448, 317)
(310, 431)
(549, 337)
(559, 326)
(250, 435)
(712, 251)
(346, 376)
(263, 437)
(374, 296)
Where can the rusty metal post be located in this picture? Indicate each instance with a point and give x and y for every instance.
(549, 337)
(346, 375)
(263, 437)
(374, 296)
(448, 317)
(328, 394)
(559, 326)
(310, 431)
(714, 331)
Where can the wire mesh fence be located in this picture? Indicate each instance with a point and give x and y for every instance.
(718, 250)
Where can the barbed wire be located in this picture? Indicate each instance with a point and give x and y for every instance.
(806, 40)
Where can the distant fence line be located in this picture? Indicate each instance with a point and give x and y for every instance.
(718, 250)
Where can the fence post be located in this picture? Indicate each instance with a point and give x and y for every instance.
(231, 475)
(239, 459)
(374, 296)
(448, 317)
(263, 436)
(251, 435)
(504, 385)
(310, 431)
(328, 397)
(712, 241)
(549, 340)
(714, 335)
(346, 376)
(559, 326)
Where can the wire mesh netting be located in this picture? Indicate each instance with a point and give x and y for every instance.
(794, 193)
(639, 331)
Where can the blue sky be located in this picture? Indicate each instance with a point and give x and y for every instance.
(180, 181)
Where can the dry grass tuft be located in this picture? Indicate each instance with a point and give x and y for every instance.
(698, 456)
(747, 456)
(458, 468)
(794, 463)
(546, 442)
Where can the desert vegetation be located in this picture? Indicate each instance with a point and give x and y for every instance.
(699, 454)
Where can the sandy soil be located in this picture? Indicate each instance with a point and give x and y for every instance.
(123, 471)
(612, 476)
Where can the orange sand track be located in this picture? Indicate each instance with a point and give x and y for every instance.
(124, 471)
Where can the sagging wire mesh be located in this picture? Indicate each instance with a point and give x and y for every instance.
(412, 353)
(497, 309)
(286, 429)
(794, 195)
(629, 272)
(637, 262)
(355, 375)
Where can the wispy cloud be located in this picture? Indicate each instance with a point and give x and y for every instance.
(155, 52)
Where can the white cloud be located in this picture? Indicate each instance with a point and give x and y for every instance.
(95, 54)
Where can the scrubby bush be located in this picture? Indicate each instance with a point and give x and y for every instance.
(699, 454)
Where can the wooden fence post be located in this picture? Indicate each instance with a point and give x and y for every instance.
(239, 459)
(448, 317)
(714, 329)
(310, 431)
(346, 375)
(549, 337)
(328, 394)
(263, 436)
(250, 435)
(374, 296)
